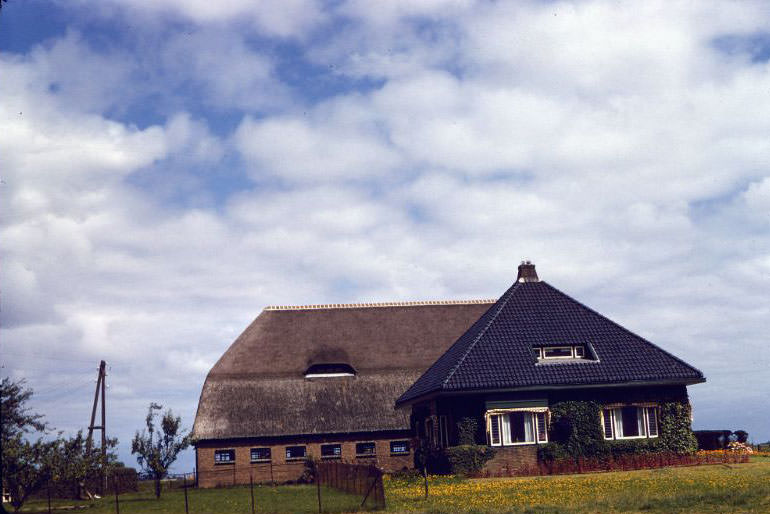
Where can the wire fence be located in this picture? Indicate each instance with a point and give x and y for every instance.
(354, 479)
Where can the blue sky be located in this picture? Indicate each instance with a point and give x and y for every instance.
(171, 167)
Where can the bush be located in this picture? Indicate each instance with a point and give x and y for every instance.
(551, 452)
(635, 447)
(468, 459)
(467, 431)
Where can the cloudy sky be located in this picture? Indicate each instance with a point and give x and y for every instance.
(169, 168)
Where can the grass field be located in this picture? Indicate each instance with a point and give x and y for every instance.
(714, 488)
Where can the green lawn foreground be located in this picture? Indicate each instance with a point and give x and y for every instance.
(713, 488)
(287, 498)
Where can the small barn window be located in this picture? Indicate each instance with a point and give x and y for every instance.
(331, 451)
(260, 455)
(224, 456)
(330, 371)
(399, 447)
(366, 450)
(295, 452)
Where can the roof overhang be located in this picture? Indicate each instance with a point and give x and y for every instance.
(436, 394)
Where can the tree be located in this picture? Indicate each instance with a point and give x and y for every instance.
(26, 464)
(156, 454)
(72, 463)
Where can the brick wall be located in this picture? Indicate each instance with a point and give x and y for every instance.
(511, 458)
(279, 469)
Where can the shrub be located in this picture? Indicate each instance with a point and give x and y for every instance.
(635, 447)
(551, 452)
(467, 431)
(468, 459)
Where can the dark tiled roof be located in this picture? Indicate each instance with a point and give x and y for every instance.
(496, 352)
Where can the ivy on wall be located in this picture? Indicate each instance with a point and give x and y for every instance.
(576, 431)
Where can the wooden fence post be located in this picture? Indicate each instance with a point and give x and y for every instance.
(186, 506)
(251, 487)
(318, 486)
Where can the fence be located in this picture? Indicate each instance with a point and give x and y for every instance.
(623, 463)
(355, 479)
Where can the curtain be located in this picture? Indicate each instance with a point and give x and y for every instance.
(640, 420)
(506, 429)
(618, 422)
(529, 428)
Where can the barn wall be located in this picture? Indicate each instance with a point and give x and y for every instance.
(211, 474)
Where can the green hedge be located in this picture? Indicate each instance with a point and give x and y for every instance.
(468, 459)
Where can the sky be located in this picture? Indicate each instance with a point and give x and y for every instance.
(169, 168)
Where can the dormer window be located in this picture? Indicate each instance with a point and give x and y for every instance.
(564, 352)
(334, 370)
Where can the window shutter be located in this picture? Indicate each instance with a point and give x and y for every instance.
(542, 436)
(652, 420)
(607, 415)
(494, 430)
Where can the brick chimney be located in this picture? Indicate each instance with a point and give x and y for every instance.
(527, 272)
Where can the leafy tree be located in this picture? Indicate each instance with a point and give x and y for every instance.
(26, 464)
(72, 462)
(155, 454)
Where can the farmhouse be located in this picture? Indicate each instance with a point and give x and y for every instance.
(535, 362)
(323, 381)
(320, 381)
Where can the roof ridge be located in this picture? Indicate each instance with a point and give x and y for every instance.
(415, 303)
(624, 329)
(507, 295)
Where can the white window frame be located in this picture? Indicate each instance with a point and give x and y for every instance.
(496, 416)
(570, 356)
(572, 348)
(646, 422)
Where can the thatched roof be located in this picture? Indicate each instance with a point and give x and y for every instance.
(258, 387)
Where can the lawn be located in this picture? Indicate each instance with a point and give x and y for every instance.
(713, 488)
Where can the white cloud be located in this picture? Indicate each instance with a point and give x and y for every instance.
(329, 147)
(623, 153)
(288, 18)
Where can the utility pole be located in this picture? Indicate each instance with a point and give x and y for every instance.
(100, 388)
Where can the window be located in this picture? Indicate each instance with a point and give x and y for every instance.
(365, 450)
(330, 371)
(518, 427)
(429, 433)
(560, 352)
(260, 455)
(557, 352)
(224, 456)
(295, 452)
(399, 447)
(630, 422)
(331, 451)
(443, 432)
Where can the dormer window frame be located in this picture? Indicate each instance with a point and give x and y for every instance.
(578, 352)
(337, 370)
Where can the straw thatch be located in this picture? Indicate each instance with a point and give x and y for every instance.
(258, 387)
